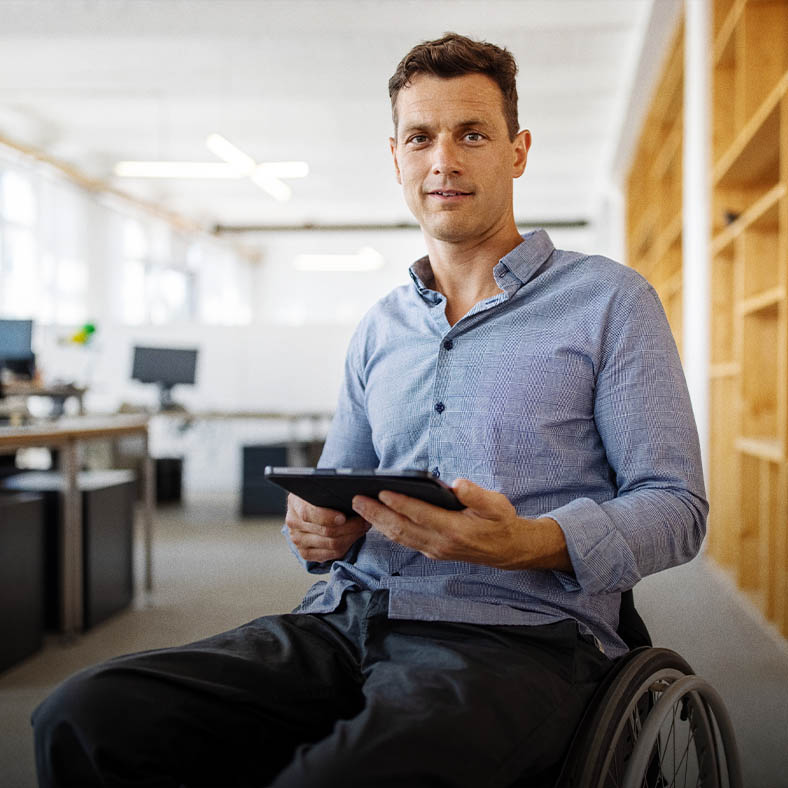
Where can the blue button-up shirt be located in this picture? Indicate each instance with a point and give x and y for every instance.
(564, 392)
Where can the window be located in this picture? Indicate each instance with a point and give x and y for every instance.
(19, 271)
(157, 287)
(225, 288)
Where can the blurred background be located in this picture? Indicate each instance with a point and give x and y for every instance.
(198, 204)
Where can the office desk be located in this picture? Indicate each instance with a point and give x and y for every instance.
(66, 435)
(59, 393)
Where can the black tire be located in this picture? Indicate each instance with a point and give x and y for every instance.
(607, 733)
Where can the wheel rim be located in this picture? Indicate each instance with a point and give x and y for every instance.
(683, 752)
(628, 728)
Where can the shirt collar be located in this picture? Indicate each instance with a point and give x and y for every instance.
(512, 270)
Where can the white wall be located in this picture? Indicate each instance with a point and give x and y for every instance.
(288, 356)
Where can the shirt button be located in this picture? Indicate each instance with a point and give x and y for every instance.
(436, 473)
(440, 407)
(448, 344)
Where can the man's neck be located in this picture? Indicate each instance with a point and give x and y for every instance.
(464, 271)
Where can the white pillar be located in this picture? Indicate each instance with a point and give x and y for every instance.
(697, 211)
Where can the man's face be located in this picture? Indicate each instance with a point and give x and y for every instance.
(454, 158)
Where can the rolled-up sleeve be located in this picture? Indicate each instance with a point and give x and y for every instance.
(644, 417)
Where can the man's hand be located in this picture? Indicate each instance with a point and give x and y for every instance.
(321, 534)
(487, 532)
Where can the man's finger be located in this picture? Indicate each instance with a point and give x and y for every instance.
(352, 526)
(315, 514)
(393, 525)
(414, 509)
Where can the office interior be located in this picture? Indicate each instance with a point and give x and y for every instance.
(197, 206)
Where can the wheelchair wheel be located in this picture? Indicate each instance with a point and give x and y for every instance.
(687, 740)
(620, 745)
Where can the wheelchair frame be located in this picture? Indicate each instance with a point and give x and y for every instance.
(629, 735)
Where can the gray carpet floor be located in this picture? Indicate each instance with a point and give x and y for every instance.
(213, 571)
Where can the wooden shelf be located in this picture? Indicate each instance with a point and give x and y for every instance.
(654, 188)
(766, 301)
(724, 369)
(768, 202)
(752, 157)
(725, 21)
(748, 268)
(748, 321)
(670, 234)
(672, 286)
(769, 449)
(670, 150)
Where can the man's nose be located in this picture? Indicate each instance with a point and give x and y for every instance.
(446, 157)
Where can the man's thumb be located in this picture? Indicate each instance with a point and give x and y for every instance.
(482, 501)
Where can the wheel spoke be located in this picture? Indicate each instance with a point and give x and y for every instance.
(684, 760)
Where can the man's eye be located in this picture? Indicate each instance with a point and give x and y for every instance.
(474, 136)
(418, 139)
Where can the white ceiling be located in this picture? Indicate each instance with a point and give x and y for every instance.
(95, 82)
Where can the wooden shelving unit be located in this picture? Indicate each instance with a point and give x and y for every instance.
(748, 460)
(748, 374)
(654, 186)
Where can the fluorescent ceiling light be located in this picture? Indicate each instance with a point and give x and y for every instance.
(265, 175)
(235, 157)
(284, 169)
(366, 259)
(237, 164)
(174, 169)
(276, 188)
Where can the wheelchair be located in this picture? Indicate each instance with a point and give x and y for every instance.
(652, 723)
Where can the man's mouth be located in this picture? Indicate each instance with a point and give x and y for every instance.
(448, 194)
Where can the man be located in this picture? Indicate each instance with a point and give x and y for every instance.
(443, 648)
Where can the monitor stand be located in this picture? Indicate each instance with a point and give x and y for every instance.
(166, 401)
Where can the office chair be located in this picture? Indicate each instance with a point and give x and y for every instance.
(652, 723)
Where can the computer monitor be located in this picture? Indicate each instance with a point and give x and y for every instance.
(166, 367)
(16, 348)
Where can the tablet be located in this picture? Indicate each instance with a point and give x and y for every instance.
(334, 488)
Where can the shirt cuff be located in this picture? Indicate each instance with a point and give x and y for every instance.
(601, 558)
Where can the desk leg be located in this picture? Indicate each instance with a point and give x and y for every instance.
(148, 503)
(71, 570)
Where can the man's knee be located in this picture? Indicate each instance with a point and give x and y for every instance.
(67, 724)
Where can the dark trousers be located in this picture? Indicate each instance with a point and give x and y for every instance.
(350, 698)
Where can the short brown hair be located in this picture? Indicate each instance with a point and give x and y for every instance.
(454, 55)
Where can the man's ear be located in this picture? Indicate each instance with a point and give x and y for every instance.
(393, 146)
(520, 147)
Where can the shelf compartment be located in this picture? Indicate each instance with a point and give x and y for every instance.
(764, 301)
(668, 241)
(748, 557)
(768, 449)
(767, 204)
(761, 559)
(725, 16)
(667, 100)
(670, 151)
(760, 373)
(723, 300)
(752, 161)
(671, 298)
(759, 245)
(772, 539)
(644, 235)
(724, 126)
(724, 482)
(764, 60)
(725, 369)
